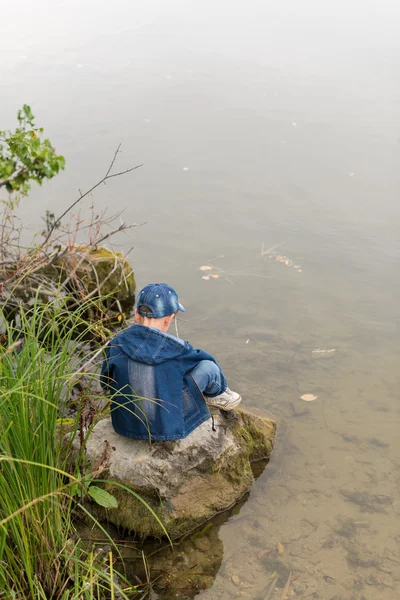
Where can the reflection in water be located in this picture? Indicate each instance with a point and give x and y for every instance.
(181, 572)
(193, 563)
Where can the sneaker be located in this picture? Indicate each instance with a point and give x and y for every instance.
(228, 400)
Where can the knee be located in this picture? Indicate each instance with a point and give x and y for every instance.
(208, 366)
(205, 371)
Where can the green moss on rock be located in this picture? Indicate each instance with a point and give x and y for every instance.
(201, 476)
(133, 511)
(104, 270)
(100, 275)
(259, 434)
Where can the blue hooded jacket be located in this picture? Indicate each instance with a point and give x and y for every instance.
(154, 395)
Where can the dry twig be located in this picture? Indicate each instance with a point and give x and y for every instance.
(55, 265)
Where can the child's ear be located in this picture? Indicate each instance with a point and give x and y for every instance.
(168, 321)
(137, 317)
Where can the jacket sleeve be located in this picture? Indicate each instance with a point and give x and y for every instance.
(193, 357)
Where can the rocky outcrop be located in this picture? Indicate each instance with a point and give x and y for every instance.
(184, 483)
(102, 274)
(95, 277)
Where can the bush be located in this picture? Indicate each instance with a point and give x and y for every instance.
(26, 156)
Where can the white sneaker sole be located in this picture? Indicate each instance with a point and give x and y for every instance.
(230, 404)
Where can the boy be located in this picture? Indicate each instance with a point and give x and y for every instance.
(161, 385)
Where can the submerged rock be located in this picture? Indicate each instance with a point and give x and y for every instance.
(184, 482)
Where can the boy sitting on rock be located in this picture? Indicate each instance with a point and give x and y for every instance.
(160, 384)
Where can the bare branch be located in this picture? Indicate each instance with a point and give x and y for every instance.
(123, 172)
(122, 227)
(113, 160)
(107, 176)
(97, 290)
(65, 265)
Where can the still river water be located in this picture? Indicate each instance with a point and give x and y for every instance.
(256, 124)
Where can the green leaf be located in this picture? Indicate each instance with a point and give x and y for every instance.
(25, 157)
(3, 537)
(75, 489)
(28, 112)
(88, 478)
(102, 497)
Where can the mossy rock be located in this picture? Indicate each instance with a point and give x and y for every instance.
(103, 271)
(181, 485)
(256, 432)
(102, 277)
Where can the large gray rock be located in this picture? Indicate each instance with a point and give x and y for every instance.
(185, 482)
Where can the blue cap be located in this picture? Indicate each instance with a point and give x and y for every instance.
(160, 298)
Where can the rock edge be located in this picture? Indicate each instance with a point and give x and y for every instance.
(185, 482)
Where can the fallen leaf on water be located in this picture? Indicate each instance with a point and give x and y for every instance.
(286, 588)
(206, 277)
(215, 276)
(308, 397)
(205, 268)
(235, 579)
(263, 553)
(280, 548)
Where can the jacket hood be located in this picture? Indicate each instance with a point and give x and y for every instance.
(148, 345)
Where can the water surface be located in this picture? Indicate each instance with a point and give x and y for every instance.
(256, 124)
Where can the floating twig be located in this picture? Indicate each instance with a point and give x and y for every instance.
(269, 250)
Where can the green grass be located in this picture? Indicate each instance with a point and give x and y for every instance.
(41, 556)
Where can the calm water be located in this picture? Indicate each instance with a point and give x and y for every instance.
(256, 124)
